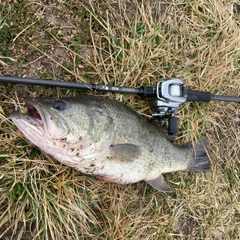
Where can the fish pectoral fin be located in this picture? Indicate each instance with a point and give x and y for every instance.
(159, 183)
(124, 152)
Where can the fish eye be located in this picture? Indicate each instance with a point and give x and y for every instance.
(59, 105)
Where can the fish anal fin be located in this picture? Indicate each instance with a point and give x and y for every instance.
(159, 183)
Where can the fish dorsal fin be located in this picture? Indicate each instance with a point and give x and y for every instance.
(159, 183)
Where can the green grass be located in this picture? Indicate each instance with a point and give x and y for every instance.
(127, 44)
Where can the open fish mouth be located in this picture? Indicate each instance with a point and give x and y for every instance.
(34, 113)
(33, 119)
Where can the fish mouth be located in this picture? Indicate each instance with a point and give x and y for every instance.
(31, 123)
(34, 113)
(32, 119)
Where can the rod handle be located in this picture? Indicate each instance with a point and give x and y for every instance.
(199, 96)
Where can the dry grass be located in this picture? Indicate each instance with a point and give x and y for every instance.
(129, 44)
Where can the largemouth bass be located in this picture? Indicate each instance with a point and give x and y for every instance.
(107, 139)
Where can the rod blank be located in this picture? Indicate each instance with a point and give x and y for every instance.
(225, 98)
(143, 91)
(62, 84)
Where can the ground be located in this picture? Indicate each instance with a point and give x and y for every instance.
(133, 44)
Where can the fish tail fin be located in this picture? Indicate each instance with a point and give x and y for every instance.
(200, 162)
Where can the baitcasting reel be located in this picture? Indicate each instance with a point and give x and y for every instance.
(170, 94)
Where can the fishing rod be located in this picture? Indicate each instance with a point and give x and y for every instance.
(169, 94)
